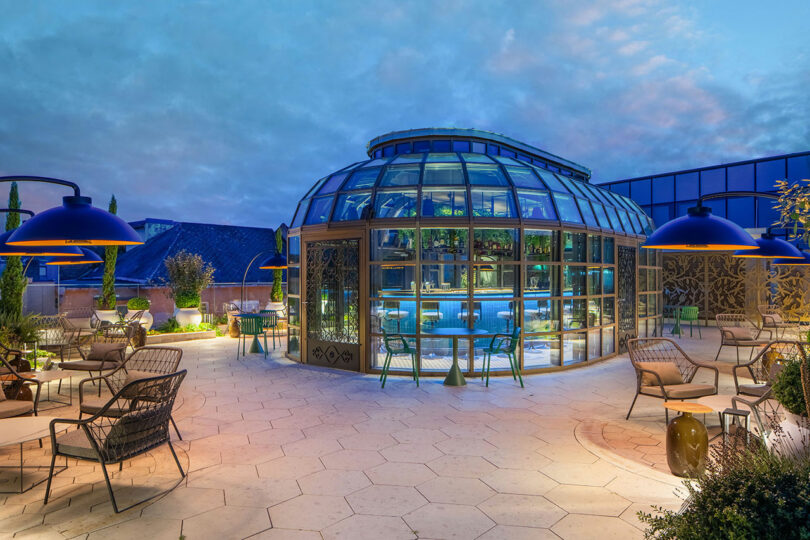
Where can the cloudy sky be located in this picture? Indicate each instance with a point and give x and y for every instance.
(227, 111)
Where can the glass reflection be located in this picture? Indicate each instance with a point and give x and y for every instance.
(294, 249)
(541, 315)
(542, 280)
(442, 174)
(608, 310)
(574, 314)
(393, 245)
(390, 279)
(574, 348)
(541, 245)
(444, 279)
(444, 203)
(394, 316)
(575, 247)
(574, 280)
(395, 204)
(444, 244)
(352, 206)
(400, 175)
(595, 312)
(536, 205)
(608, 343)
(493, 203)
(607, 281)
(495, 244)
(541, 351)
(485, 175)
(495, 280)
(594, 343)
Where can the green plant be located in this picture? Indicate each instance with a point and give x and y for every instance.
(110, 257)
(12, 282)
(794, 207)
(15, 330)
(277, 294)
(188, 274)
(747, 492)
(138, 303)
(187, 300)
(172, 327)
(787, 388)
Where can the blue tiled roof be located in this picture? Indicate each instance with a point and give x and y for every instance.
(227, 248)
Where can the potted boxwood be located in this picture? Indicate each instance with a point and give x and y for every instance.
(139, 303)
(188, 275)
(187, 309)
(793, 434)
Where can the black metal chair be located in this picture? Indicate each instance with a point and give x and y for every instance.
(13, 383)
(107, 440)
(105, 353)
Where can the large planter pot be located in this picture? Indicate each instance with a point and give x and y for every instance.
(146, 319)
(275, 306)
(187, 316)
(687, 446)
(792, 438)
(107, 315)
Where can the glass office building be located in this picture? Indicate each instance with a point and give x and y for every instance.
(668, 195)
(445, 228)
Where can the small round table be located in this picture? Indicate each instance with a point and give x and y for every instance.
(454, 376)
(687, 439)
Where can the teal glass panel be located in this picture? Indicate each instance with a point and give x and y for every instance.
(567, 208)
(536, 205)
(351, 206)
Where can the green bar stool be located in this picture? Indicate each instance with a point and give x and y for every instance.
(250, 325)
(269, 322)
(690, 314)
(396, 344)
(503, 344)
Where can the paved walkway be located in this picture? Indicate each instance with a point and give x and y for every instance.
(278, 450)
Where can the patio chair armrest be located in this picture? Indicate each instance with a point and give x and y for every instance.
(711, 367)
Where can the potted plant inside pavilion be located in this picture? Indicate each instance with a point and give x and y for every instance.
(188, 276)
(105, 309)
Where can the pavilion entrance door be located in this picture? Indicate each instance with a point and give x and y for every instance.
(332, 300)
(626, 295)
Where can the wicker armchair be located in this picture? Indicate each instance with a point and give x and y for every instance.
(141, 363)
(106, 440)
(773, 321)
(58, 335)
(665, 371)
(13, 383)
(737, 330)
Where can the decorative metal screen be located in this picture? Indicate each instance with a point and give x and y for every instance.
(626, 295)
(332, 309)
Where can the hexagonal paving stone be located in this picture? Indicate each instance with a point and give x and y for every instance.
(311, 447)
(287, 534)
(522, 510)
(288, 467)
(448, 521)
(184, 502)
(508, 532)
(451, 490)
(367, 441)
(311, 512)
(466, 447)
(152, 528)
(386, 500)
(528, 460)
(577, 526)
(587, 500)
(221, 476)
(226, 522)
(262, 494)
(593, 474)
(519, 482)
(333, 482)
(400, 474)
(411, 453)
(354, 460)
(369, 528)
(419, 436)
(463, 466)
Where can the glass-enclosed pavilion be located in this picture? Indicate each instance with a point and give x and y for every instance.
(445, 228)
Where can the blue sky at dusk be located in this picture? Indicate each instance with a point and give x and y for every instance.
(228, 111)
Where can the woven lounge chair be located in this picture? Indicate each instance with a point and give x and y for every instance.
(737, 330)
(773, 321)
(12, 384)
(665, 371)
(108, 440)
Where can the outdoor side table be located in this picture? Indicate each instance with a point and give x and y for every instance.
(55, 375)
(454, 376)
(687, 439)
(24, 429)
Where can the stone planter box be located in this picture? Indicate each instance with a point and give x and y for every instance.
(157, 339)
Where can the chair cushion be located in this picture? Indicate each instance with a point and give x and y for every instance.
(754, 389)
(106, 351)
(75, 443)
(681, 391)
(668, 372)
(775, 318)
(13, 407)
(133, 376)
(95, 404)
(739, 333)
(88, 365)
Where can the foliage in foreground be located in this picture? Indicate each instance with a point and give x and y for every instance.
(15, 330)
(747, 492)
(138, 303)
(787, 388)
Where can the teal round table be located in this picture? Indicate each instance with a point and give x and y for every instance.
(454, 376)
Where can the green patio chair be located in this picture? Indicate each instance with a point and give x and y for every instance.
(249, 325)
(503, 344)
(397, 344)
(269, 323)
(691, 315)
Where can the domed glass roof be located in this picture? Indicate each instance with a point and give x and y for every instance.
(469, 181)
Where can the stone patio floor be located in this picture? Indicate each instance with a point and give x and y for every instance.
(277, 450)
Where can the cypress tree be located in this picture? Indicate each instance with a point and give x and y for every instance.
(277, 295)
(12, 282)
(110, 257)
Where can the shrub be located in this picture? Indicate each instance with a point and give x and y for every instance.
(138, 303)
(747, 492)
(107, 300)
(787, 388)
(12, 281)
(188, 274)
(187, 300)
(18, 329)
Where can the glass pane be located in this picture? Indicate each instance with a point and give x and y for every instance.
(575, 247)
(607, 281)
(437, 353)
(541, 245)
(319, 211)
(495, 280)
(567, 208)
(294, 314)
(652, 304)
(550, 180)
(444, 279)
(400, 175)
(614, 219)
(536, 205)
(495, 244)
(444, 202)
(541, 351)
(294, 249)
(332, 185)
(293, 280)
(524, 177)
(574, 280)
(608, 311)
(485, 175)
(362, 178)
(396, 316)
(395, 204)
(441, 157)
(299, 216)
(476, 158)
(408, 158)
(542, 280)
(573, 348)
(594, 343)
(493, 203)
(595, 312)
(399, 362)
(294, 342)
(608, 344)
(442, 314)
(628, 227)
(541, 315)
(352, 206)
(375, 162)
(594, 248)
(393, 245)
(507, 160)
(496, 316)
(587, 212)
(594, 283)
(396, 280)
(608, 254)
(642, 305)
(444, 244)
(442, 174)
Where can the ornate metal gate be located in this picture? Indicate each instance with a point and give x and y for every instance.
(626, 297)
(332, 308)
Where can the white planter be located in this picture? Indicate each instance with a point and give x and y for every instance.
(793, 437)
(107, 315)
(187, 316)
(275, 306)
(146, 319)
